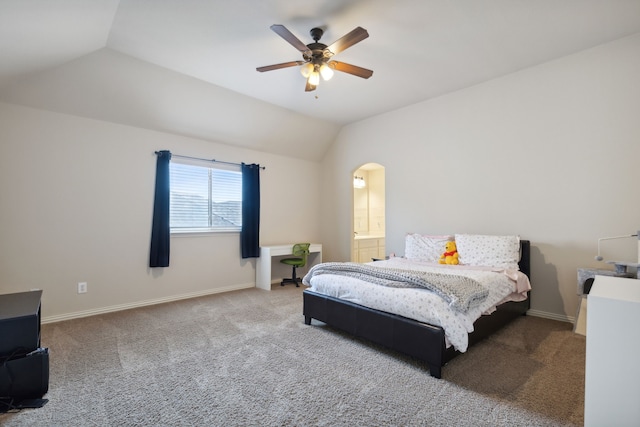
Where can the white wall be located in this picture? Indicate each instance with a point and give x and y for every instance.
(550, 153)
(77, 201)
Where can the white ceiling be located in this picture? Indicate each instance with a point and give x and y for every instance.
(418, 49)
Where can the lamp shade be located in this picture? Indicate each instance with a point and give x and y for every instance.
(306, 69)
(326, 72)
(314, 78)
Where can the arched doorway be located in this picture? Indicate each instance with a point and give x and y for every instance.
(368, 237)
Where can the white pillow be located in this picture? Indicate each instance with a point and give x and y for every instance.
(425, 248)
(488, 251)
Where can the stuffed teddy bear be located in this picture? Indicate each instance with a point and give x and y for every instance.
(450, 256)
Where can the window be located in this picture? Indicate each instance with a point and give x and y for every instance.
(205, 198)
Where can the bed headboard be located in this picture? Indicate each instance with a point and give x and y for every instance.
(525, 257)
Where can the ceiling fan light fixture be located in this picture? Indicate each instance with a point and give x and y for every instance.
(317, 57)
(326, 72)
(306, 69)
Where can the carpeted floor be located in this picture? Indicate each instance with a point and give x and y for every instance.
(246, 358)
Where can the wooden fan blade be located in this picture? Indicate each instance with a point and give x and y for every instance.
(309, 87)
(351, 69)
(348, 40)
(278, 66)
(282, 31)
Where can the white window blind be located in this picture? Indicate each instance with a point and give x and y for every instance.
(205, 198)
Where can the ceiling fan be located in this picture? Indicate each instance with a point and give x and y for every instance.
(317, 56)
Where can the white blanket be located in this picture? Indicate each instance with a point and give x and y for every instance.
(421, 304)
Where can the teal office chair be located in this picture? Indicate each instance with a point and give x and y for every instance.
(300, 252)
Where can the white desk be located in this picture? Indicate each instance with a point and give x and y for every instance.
(263, 265)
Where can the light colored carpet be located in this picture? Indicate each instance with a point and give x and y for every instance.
(246, 358)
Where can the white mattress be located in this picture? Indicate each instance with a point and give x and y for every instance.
(423, 305)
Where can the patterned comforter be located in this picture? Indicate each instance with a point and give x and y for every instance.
(460, 292)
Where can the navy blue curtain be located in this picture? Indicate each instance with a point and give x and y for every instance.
(160, 230)
(250, 233)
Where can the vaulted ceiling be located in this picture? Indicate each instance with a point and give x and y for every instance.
(189, 66)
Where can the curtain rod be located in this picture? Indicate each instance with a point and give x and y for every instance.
(208, 160)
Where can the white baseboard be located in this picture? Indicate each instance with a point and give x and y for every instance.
(552, 316)
(127, 306)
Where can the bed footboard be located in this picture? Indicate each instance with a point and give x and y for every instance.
(419, 340)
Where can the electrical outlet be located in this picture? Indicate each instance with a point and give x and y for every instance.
(82, 287)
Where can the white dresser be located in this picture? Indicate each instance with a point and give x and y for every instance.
(612, 374)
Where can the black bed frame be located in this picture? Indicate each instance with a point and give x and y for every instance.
(420, 340)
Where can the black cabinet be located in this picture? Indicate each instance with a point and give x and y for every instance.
(19, 322)
(24, 365)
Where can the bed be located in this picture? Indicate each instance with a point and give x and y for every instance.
(428, 342)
